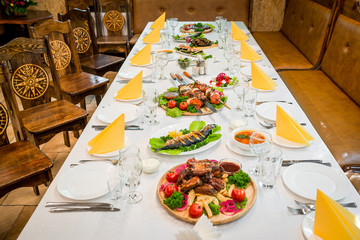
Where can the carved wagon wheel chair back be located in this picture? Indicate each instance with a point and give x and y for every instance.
(19, 168)
(75, 85)
(86, 46)
(27, 76)
(112, 35)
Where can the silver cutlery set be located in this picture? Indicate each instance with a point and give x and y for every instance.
(58, 207)
(305, 208)
(127, 127)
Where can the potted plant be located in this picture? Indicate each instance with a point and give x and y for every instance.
(17, 7)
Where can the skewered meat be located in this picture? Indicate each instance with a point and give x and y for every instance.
(206, 189)
(188, 139)
(184, 90)
(217, 183)
(201, 42)
(190, 184)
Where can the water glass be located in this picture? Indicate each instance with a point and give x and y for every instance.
(260, 144)
(173, 23)
(151, 102)
(131, 170)
(154, 67)
(217, 21)
(249, 101)
(115, 188)
(269, 168)
(228, 54)
(162, 61)
(238, 89)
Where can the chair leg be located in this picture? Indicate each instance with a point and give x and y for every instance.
(36, 190)
(76, 134)
(83, 104)
(66, 139)
(98, 99)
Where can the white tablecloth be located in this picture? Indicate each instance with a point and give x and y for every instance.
(268, 219)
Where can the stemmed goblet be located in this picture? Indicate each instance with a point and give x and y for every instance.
(260, 144)
(151, 102)
(162, 61)
(131, 168)
(173, 23)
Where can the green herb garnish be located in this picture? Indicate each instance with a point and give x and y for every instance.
(214, 209)
(240, 179)
(174, 201)
(242, 136)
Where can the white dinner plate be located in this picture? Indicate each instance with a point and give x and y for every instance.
(253, 46)
(284, 142)
(237, 150)
(305, 178)
(165, 131)
(108, 113)
(109, 154)
(268, 70)
(267, 110)
(131, 72)
(307, 225)
(86, 181)
(128, 100)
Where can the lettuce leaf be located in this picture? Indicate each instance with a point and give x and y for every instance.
(156, 142)
(196, 126)
(171, 151)
(174, 112)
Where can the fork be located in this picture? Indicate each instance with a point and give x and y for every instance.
(112, 161)
(282, 101)
(298, 211)
(311, 206)
(268, 125)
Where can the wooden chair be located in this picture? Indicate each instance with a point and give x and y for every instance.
(90, 59)
(26, 75)
(83, 4)
(111, 23)
(75, 85)
(21, 163)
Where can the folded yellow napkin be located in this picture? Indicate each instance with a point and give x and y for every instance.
(160, 22)
(237, 34)
(334, 222)
(153, 36)
(261, 80)
(248, 53)
(143, 57)
(132, 90)
(290, 129)
(110, 139)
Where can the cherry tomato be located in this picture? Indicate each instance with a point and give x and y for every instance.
(238, 194)
(215, 99)
(172, 176)
(195, 211)
(196, 102)
(169, 189)
(183, 106)
(171, 104)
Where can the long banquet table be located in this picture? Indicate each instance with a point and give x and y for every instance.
(268, 219)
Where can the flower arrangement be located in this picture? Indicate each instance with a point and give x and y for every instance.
(223, 81)
(17, 7)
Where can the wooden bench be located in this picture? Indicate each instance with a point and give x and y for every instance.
(301, 41)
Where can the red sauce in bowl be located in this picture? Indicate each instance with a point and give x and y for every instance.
(244, 137)
(230, 167)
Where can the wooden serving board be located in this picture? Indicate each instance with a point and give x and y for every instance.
(251, 194)
(205, 111)
(207, 47)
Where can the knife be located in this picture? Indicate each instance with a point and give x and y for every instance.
(77, 204)
(85, 209)
(210, 106)
(181, 79)
(189, 76)
(128, 127)
(322, 163)
(144, 81)
(175, 79)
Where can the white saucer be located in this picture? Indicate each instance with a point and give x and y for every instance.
(284, 142)
(128, 100)
(132, 72)
(267, 110)
(109, 154)
(307, 225)
(238, 150)
(267, 70)
(108, 113)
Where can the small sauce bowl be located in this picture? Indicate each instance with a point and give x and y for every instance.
(230, 165)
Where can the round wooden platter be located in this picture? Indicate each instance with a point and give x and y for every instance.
(207, 47)
(205, 111)
(193, 31)
(251, 194)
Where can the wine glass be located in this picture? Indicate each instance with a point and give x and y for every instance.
(217, 21)
(162, 61)
(131, 168)
(260, 143)
(238, 90)
(173, 23)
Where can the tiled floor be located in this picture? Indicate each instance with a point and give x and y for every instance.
(17, 206)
